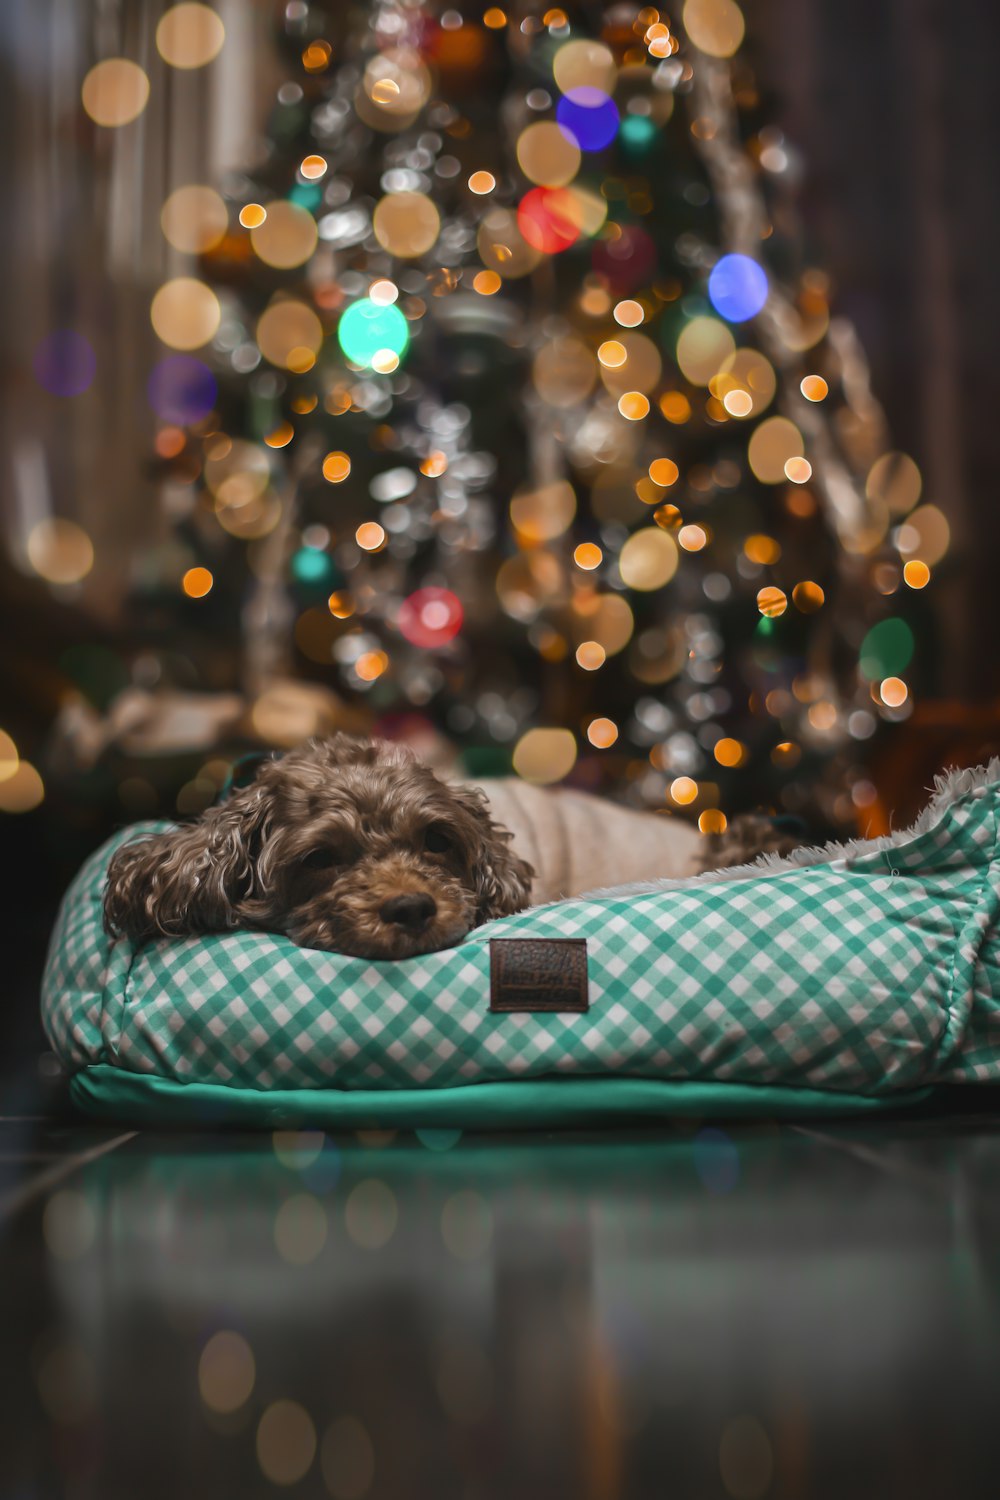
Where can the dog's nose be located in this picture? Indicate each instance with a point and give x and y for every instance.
(413, 911)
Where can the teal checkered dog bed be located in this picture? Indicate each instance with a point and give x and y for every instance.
(846, 978)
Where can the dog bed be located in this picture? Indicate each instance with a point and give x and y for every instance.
(845, 979)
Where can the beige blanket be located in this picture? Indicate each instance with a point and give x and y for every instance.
(579, 843)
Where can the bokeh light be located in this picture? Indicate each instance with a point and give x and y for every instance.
(336, 467)
(544, 756)
(286, 237)
(648, 559)
(589, 117)
(702, 348)
(371, 1214)
(602, 733)
(197, 582)
(190, 35)
(430, 618)
(347, 1459)
(894, 481)
(502, 247)
(289, 334)
(64, 363)
(814, 388)
(714, 26)
(545, 219)
(286, 1442)
(9, 758)
(772, 602)
(226, 1372)
(406, 224)
(115, 92)
(887, 649)
(185, 313)
(23, 791)
(194, 219)
(300, 1229)
(366, 328)
(771, 445)
(737, 288)
(547, 155)
(541, 514)
(60, 551)
(252, 215)
(181, 389)
(584, 64)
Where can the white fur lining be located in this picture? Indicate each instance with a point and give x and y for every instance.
(949, 787)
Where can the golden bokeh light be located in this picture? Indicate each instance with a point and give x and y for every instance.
(692, 538)
(606, 618)
(787, 754)
(602, 733)
(23, 791)
(197, 582)
(611, 354)
(252, 215)
(341, 605)
(541, 514)
(750, 374)
(190, 35)
(676, 407)
(185, 313)
(9, 758)
(628, 313)
(633, 406)
(502, 247)
(648, 559)
(286, 1442)
(226, 1372)
(772, 602)
(564, 371)
(588, 556)
(714, 26)
(434, 465)
(584, 64)
(808, 597)
(668, 518)
(664, 472)
(370, 665)
(494, 18)
(336, 467)
(383, 292)
(481, 183)
(893, 692)
(280, 436)
(925, 534)
(916, 574)
(684, 790)
(395, 87)
(798, 470)
(712, 820)
(730, 752)
(894, 481)
(287, 237)
(639, 371)
(771, 445)
(316, 57)
(370, 536)
(738, 403)
(590, 655)
(313, 167)
(763, 549)
(285, 329)
(544, 756)
(704, 346)
(814, 388)
(60, 551)
(547, 155)
(486, 283)
(194, 219)
(406, 224)
(115, 92)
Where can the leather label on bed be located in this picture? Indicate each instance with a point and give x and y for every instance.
(538, 974)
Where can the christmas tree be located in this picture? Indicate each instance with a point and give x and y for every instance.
(504, 400)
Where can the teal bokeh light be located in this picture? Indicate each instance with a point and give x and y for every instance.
(311, 566)
(366, 327)
(637, 131)
(887, 649)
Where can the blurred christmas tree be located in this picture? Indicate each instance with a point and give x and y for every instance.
(517, 408)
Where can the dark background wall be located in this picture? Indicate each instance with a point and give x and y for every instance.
(893, 106)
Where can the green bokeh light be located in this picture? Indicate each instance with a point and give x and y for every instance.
(886, 650)
(310, 565)
(637, 131)
(365, 328)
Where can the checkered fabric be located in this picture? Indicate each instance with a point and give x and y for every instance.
(867, 973)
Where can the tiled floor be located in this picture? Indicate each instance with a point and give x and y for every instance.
(685, 1312)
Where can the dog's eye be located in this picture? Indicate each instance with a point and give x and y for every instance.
(319, 859)
(438, 840)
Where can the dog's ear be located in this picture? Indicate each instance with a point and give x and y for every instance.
(196, 878)
(502, 880)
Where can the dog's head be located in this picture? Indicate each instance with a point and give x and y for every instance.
(347, 845)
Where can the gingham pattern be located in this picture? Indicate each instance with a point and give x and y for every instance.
(861, 974)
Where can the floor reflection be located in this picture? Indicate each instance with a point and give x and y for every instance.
(704, 1313)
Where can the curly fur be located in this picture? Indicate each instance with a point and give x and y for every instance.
(318, 847)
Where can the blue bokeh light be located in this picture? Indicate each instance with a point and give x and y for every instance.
(737, 288)
(181, 389)
(589, 117)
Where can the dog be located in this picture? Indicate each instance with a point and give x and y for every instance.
(355, 847)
